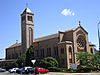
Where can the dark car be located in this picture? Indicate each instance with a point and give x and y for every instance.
(30, 70)
(41, 70)
(24, 70)
(19, 70)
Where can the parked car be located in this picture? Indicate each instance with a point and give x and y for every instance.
(19, 70)
(41, 70)
(30, 70)
(2, 70)
(24, 70)
(13, 70)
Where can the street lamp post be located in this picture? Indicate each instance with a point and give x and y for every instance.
(99, 36)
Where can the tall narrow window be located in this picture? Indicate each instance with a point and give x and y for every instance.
(70, 54)
(42, 52)
(30, 36)
(62, 50)
(70, 50)
(91, 50)
(48, 51)
(56, 51)
(37, 53)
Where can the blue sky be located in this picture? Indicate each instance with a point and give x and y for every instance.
(50, 17)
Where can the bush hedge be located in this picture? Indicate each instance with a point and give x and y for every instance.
(87, 69)
(56, 69)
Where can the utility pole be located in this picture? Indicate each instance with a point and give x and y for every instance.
(99, 36)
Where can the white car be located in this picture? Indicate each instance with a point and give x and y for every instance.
(2, 70)
(13, 70)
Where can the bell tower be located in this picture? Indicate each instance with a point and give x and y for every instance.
(27, 29)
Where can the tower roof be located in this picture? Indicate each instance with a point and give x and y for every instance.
(27, 10)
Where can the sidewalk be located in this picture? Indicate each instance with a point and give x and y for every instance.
(59, 73)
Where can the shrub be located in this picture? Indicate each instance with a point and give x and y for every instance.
(56, 69)
(85, 69)
(48, 62)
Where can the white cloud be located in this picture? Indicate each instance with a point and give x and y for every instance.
(67, 12)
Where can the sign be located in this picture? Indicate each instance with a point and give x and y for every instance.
(74, 66)
(33, 61)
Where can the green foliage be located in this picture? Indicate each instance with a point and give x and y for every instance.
(83, 58)
(21, 60)
(48, 62)
(29, 55)
(10, 65)
(14, 64)
(56, 69)
(87, 69)
(25, 59)
(73, 71)
(88, 62)
(96, 60)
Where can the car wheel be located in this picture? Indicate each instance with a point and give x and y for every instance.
(36, 72)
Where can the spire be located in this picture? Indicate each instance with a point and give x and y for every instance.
(27, 10)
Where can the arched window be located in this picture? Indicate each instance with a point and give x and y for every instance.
(30, 18)
(70, 49)
(91, 50)
(30, 35)
(70, 54)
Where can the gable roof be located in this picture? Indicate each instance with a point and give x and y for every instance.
(81, 28)
(46, 37)
(15, 45)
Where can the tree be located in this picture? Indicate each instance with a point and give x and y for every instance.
(96, 60)
(88, 60)
(48, 62)
(10, 65)
(29, 56)
(82, 58)
(21, 60)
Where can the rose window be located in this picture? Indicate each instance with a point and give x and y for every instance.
(81, 42)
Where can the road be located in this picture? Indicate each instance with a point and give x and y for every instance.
(51, 73)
